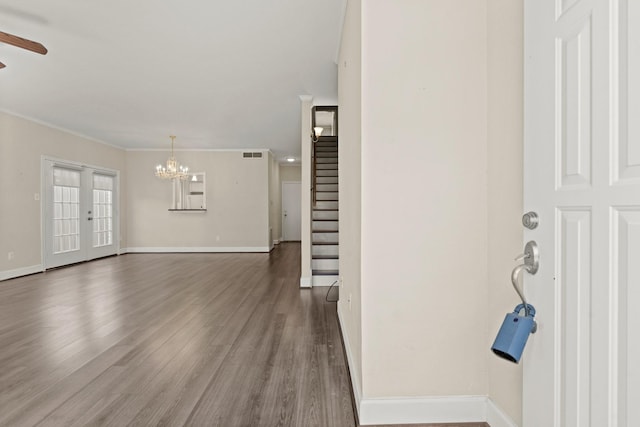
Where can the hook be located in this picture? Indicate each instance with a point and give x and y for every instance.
(527, 308)
(530, 257)
(514, 280)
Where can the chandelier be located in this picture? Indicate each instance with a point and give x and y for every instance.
(173, 169)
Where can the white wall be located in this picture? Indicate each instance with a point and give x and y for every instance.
(349, 170)
(505, 130)
(290, 173)
(22, 145)
(243, 195)
(237, 216)
(431, 196)
(424, 198)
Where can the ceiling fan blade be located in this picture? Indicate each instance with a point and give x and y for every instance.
(23, 43)
(2, 65)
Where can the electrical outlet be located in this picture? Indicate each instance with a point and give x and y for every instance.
(10, 255)
(36, 196)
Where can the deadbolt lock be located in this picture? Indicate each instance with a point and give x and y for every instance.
(530, 220)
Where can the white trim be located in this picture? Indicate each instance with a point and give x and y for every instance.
(11, 274)
(402, 410)
(355, 384)
(305, 282)
(496, 417)
(216, 249)
(324, 280)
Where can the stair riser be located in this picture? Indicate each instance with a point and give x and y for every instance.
(324, 250)
(331, 172)
(324, 264)
(325, 215)
(323, 154)
(327, 187)
(327, 196)
(330, 160)
(325, 225)
(326, 180)
(326, 205)
(324, 237)
(331, 144)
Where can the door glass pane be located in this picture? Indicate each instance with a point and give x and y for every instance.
(66, 208)
(102, 210)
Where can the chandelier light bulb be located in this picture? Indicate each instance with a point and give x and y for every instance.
(173, 170)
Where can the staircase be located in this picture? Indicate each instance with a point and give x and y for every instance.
(324, 229)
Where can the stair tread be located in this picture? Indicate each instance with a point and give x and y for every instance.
(326, 219)
(325, 272)
(325, 209)
(324, 231)
(325, 243)
(324, 257)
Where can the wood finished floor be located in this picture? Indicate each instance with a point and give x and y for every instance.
(172, 340)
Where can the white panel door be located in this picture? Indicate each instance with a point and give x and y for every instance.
(582, 176)
(80, 219)
(291, 211)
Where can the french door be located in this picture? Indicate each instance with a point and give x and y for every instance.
(582, 177)
(80, 213)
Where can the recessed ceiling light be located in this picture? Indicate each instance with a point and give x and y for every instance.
(291, 159)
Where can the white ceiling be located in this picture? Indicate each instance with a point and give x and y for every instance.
(130, 73)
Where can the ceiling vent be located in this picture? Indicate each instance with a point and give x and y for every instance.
(252, 155)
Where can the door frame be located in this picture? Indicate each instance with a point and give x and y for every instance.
(282, 184)
(43, 200)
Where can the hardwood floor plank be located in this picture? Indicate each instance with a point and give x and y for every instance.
(172, 340)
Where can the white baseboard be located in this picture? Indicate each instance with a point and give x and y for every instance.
(355, 382)
(421, 410)
(215, 249)
(324, 280)
(12, 274)
(496, 417)
(305, 282)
